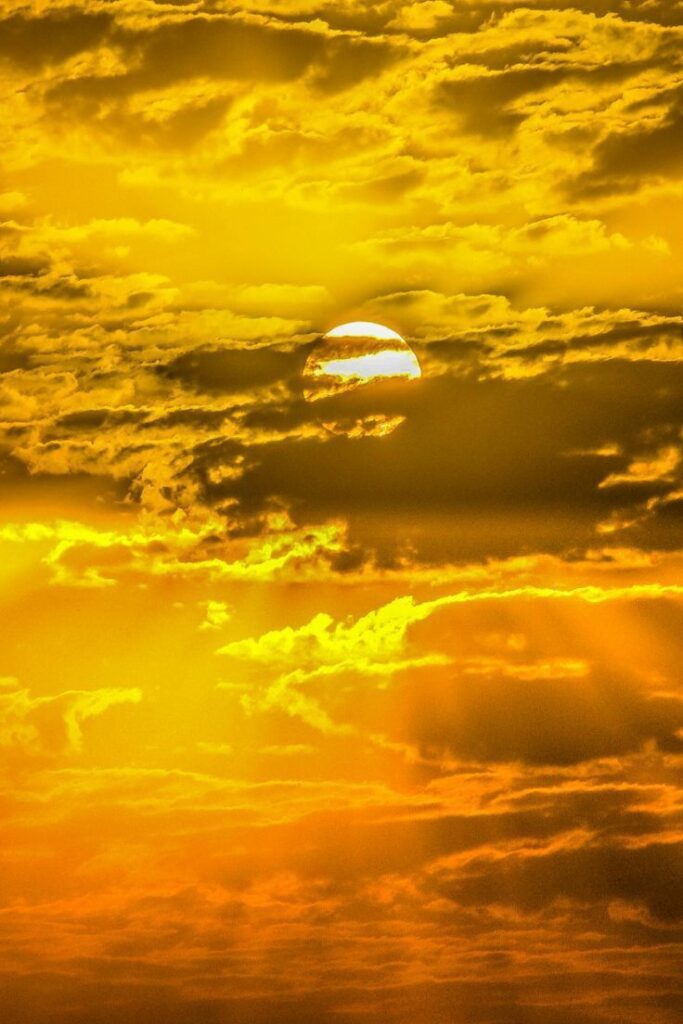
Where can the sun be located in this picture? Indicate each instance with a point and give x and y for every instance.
(357, 353)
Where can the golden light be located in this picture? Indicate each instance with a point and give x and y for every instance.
(358, 353)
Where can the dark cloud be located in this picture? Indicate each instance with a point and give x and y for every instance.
(182, 130)
(379, 18)
(220, 48)
(483, 103)
(12, 358)
(88, 420)
(348, 62)
(73, 490)
(22, 266)
(623, 160)
(561, 721)
(233, 370)
(659, 527)
(651, 874)
(382, 841)
(640, 337)
(225, 49)
(485, 451)
(56, 288)
(36, 41)
(384, 190)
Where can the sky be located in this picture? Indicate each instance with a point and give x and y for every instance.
(364, 709)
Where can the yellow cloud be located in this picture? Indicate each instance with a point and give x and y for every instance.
(421, 16)
(53, 724)
(82, 554)
(217, 614)
(662, 466)
(378, 635)
(381, 633)
(373, 645)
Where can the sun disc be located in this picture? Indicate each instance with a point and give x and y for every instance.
(363, 329)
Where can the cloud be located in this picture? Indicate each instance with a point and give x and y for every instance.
(82, 554)
(222, 48)
(217, 615)
(377, 635)
(53, 724)
(552, 710)
(647, 874)
(624, 159)
(467, 444)
(423, 16)
(233, 370)
(540, 721)
(33, 41)
(661, 467)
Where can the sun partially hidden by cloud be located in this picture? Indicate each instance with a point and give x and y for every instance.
(340, 670)
(357, 353)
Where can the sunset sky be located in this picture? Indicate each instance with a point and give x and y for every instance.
(356, 705)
